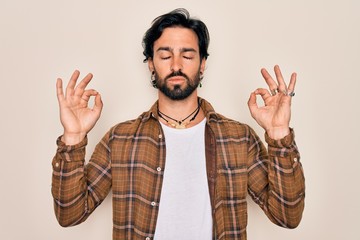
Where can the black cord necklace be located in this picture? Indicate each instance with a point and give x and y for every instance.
(180, 124)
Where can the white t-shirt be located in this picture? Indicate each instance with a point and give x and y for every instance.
(184, 209)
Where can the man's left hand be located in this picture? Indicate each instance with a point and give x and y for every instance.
(275, 115)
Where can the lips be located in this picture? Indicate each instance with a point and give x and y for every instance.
(176, 79)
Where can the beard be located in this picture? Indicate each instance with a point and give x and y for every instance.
(177, 93)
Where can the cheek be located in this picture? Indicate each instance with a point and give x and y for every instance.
(161, 70)
(162, 65)
(191, 66)
(193, 70)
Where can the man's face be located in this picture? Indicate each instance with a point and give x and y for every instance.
(176, 62)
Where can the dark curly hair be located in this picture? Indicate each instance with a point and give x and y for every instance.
(177, 17)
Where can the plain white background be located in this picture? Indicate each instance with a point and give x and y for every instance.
(42, 40)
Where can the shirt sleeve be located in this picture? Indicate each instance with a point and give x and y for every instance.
(276, 179)
(78, 188)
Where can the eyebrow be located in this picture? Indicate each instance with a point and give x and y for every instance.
(182, 50)
(187, 50)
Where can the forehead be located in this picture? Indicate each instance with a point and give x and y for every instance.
(177, 38)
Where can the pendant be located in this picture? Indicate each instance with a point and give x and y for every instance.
(180, 126)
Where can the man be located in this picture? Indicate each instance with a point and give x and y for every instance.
(180, 170)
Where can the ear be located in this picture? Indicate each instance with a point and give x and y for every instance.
(202, 65)
(151, 65)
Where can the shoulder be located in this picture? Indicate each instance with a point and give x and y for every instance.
(144, 124)
(223, 126)
(126, 127)
(229, 127)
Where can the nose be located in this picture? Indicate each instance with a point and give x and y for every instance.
(176, 64)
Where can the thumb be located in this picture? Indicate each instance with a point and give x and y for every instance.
(98, 104)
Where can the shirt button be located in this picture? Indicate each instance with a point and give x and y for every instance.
(153, 204)
(158, 169)
(147, 238)
(160, 136)
(57, 164)
(295, 159)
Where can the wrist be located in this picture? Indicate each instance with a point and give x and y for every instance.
(72, 138)
(278, 133)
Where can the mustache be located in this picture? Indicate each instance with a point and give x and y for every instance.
(177, 74)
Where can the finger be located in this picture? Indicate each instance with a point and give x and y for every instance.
(59, 90)
(82, 85)
(87, 94)
(98, 104)
(264, 93)
(268, 79)
(280, 79)
(71, 85)
(292, 83)
(252, 104)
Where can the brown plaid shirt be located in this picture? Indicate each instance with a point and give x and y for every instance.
(130, 160)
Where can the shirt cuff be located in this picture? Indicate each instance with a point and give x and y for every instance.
(71, 153)
(62, 147)
(285, 142)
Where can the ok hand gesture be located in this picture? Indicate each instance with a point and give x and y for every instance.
(75, 115)
(275, 115)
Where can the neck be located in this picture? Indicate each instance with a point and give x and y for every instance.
(180, 109)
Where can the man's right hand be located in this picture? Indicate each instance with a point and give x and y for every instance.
(75, 115)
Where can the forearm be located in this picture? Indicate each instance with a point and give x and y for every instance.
(69, 184)
(279, 191)
(77, 188)
(286, 187)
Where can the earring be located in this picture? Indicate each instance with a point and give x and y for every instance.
(153, 79)
(201, 78)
